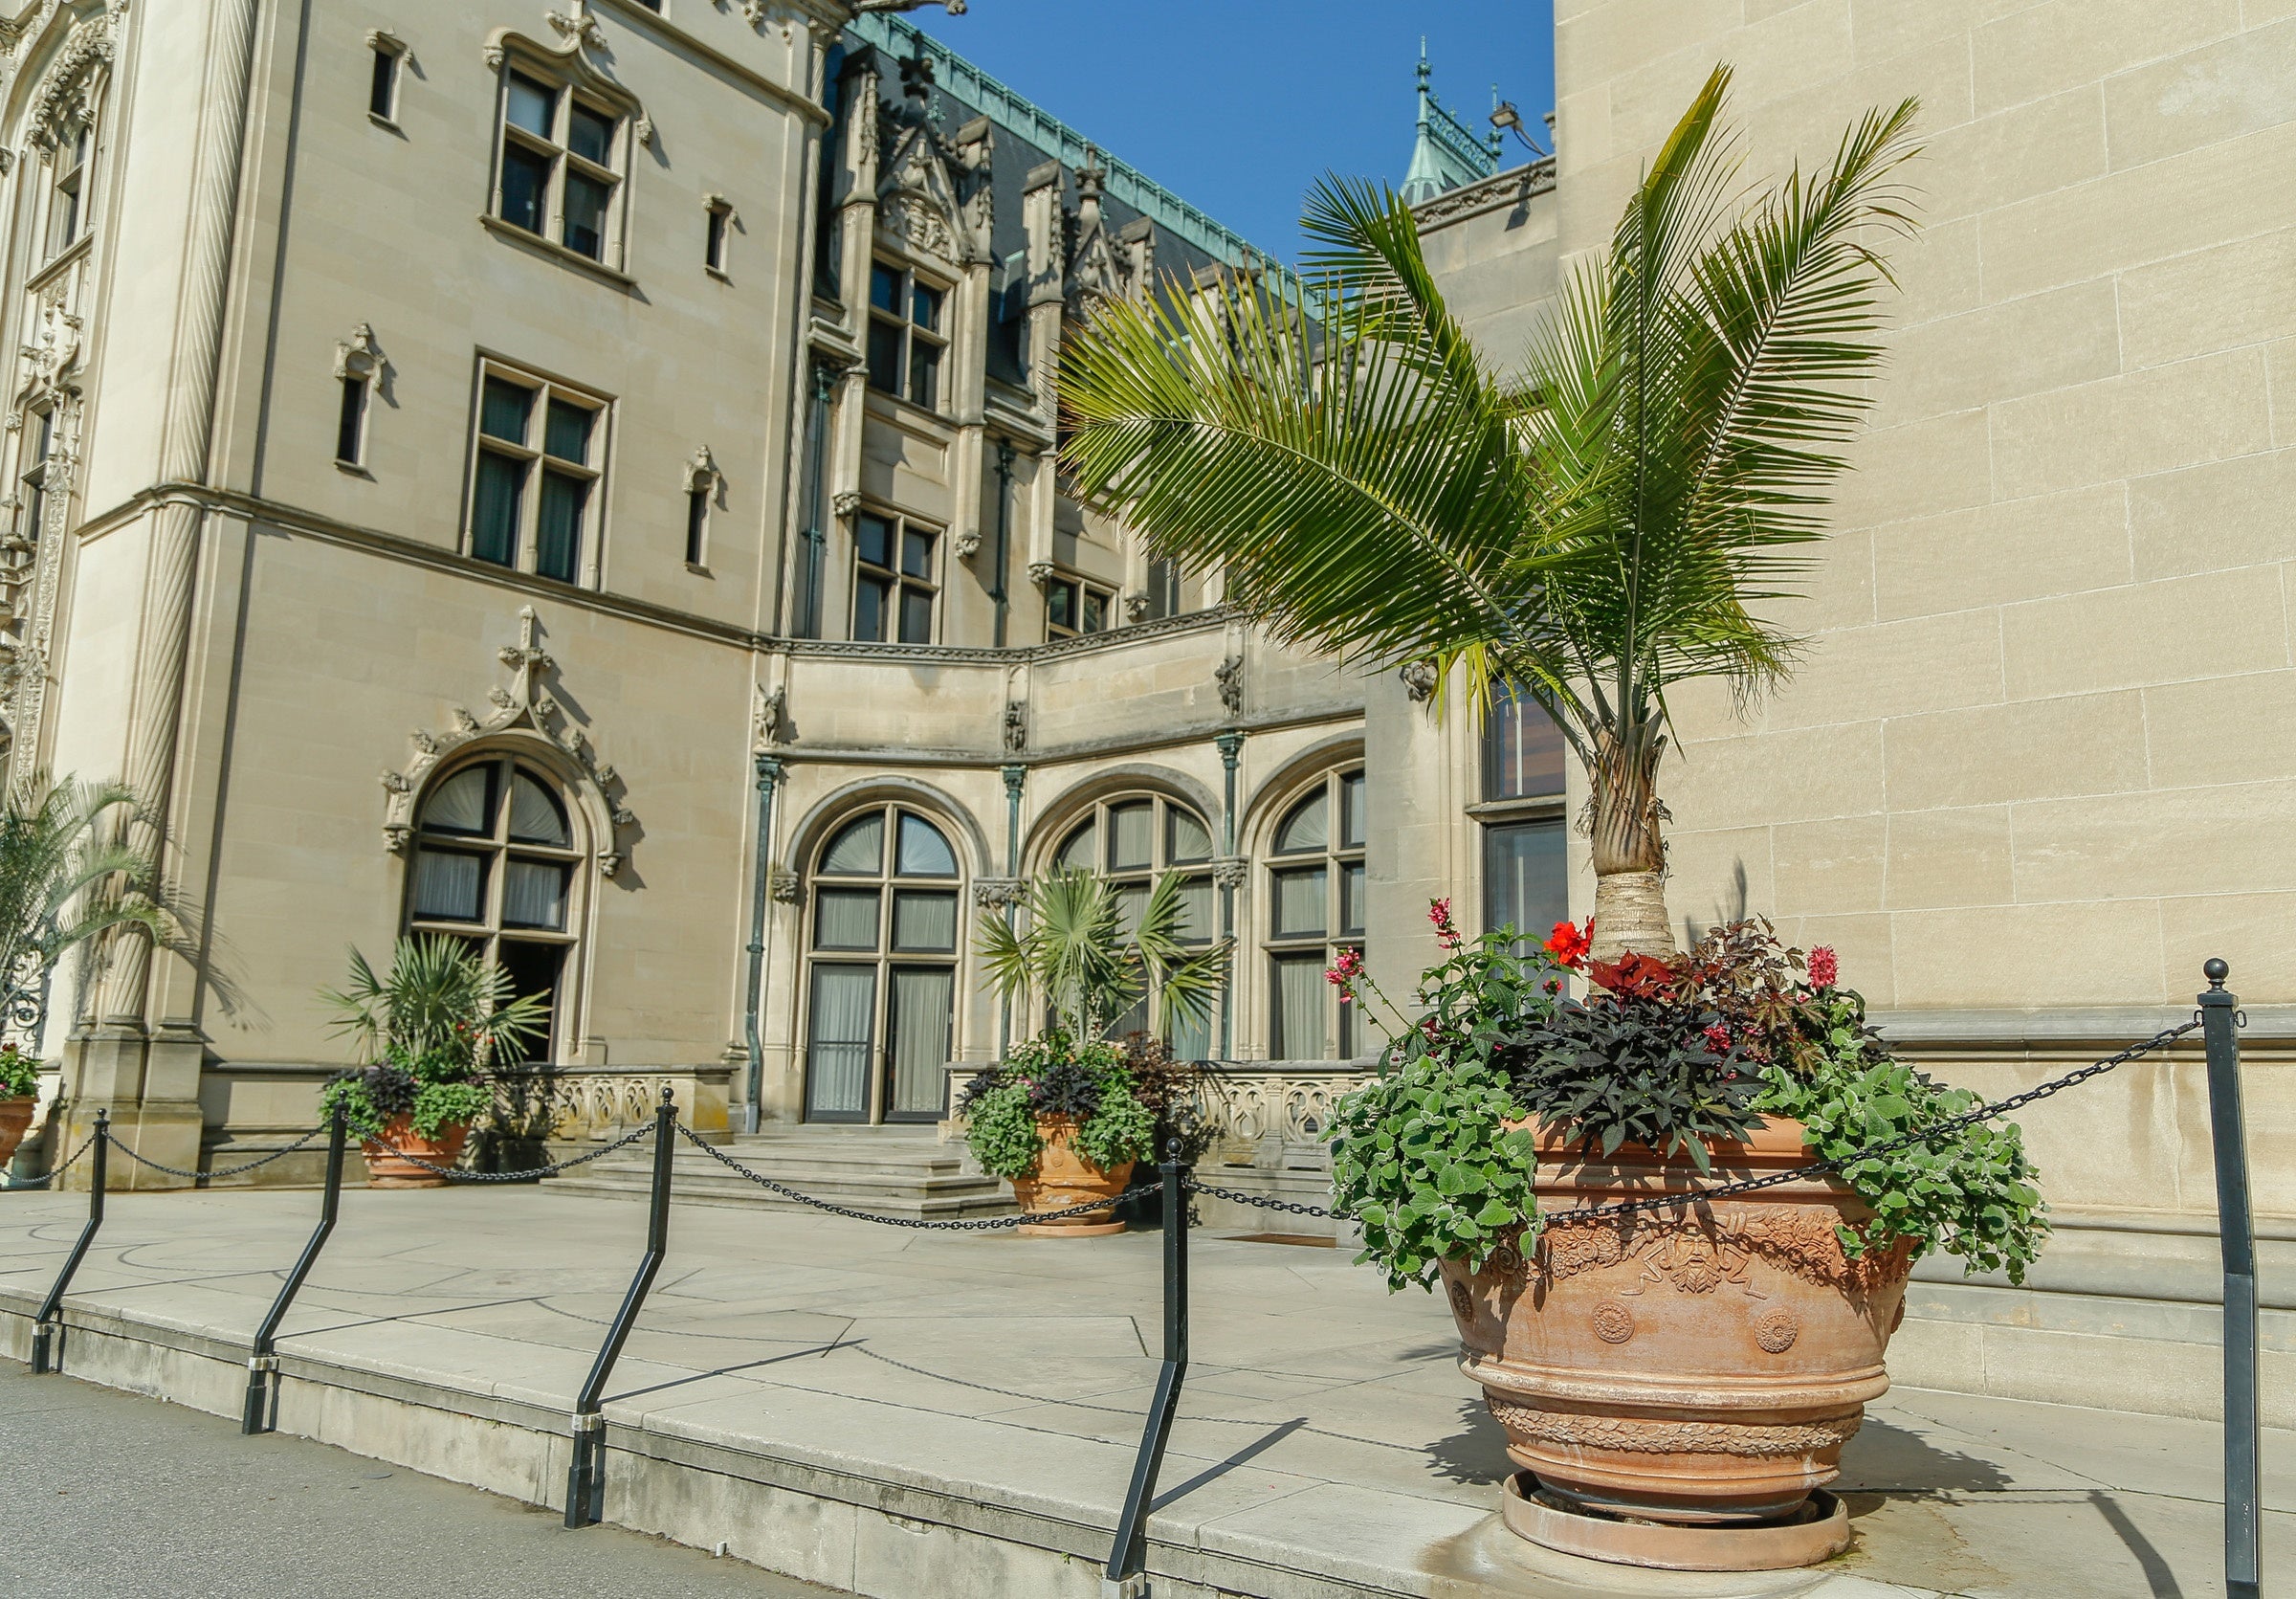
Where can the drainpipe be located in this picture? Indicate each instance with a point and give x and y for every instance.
(1014, 776)
(1230, 745)
(769, 775)
(996, 590)
(816, 536)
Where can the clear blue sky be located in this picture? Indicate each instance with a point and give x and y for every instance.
(1239, 105)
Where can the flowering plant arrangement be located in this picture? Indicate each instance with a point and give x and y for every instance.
(19, 1073)
(429, 1025)
(1436, 1157)
(1052, 1075)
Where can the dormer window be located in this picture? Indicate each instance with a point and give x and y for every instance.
(906, 335)
(560, 166)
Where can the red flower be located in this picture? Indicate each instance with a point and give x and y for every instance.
(1823, 967)
(1439, 912)
(1717, 1037)
(1552, 986)
(1345, 969)
(1568, 944)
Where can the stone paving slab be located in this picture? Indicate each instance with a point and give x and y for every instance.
(904, 1413)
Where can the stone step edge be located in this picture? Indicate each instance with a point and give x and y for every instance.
(113, 1349)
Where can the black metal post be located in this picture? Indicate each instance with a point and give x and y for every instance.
(263, 1355)
(584, 1473)
(2235, 1235)
(1128, 1556)
(45, 1354)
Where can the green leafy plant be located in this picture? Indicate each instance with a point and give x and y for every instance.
(19, 1073)
(1077, 954)
(429, 1027)
(1052, 1075)
(1607, 523)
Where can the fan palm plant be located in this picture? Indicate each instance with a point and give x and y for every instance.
(1079, 956)
(438, 999)
(1606, 523)
(67, 881)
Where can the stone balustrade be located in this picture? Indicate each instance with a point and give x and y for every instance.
(590, 1104)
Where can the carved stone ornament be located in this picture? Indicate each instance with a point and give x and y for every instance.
(53, 352)
(389, 42)
(358, 356)
(995, 894)
(1016, 725)
(846, 502)
(968, 545)
(782, 884)
(1420, 680)
(1231, 870)
(1136, 607)
(1648, 1437)
(578, 36)
(73, 80)
(1040, 572)
(525, 705)
(1230, 674)
(770, 724)
(701, 471)
(916, 198)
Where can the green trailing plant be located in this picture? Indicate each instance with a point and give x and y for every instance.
(19, 1073)
(429, 1027)
(1074, 952)
(1053, 1075)
(1608, 522)
(1435, 1158)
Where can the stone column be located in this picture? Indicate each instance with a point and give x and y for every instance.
(147, 1074)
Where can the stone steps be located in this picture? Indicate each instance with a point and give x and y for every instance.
(904, 1174)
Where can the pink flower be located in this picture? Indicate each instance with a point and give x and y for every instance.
(1552, 986)
(1342, 972)
(1717, 1037)
(1447, 935)
(1823, 967)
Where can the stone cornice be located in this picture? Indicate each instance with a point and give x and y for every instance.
(1512, 186)
(646, 20)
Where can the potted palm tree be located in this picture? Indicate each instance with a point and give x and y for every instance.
(1617, 517)
(66, 882)
(1065, 1116)
(428, 1027)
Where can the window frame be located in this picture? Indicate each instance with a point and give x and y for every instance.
(75, 141)
(1200, 871)
(537, 464)
(1082, 588)
(718, 236)
(555, 148)
(899, 583)
(883, 959)
(350, 419)
(1342, 1027)
(499, 850)
(939, 335)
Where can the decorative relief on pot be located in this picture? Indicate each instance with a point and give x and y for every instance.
(1694, 1261)
(1635, 1436)
(1614, 1322)
(1462, 1303)
(1775, 1329)
(1699, 1255)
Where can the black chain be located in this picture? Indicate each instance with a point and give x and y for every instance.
(1778, 1179)
(54, 1172)
(980, 1225)
(221, 1171)
(455, 1174)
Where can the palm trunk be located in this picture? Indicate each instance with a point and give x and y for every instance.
(1630, 897)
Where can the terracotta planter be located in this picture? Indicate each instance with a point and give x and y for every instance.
(1694, 1369)
(1064, 1178)
(15, 1115)
(386, 1171)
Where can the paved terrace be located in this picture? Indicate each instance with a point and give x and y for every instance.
(908, 1413)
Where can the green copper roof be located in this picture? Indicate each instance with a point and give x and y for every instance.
(1447, 154)
(1007, 109)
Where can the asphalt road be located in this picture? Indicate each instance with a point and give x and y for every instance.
(108, 1496)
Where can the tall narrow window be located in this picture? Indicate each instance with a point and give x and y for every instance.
(719, 222)
(894, 586)
(905, 335)
(561, 164)
(534, 478)
(383, 86)
(66, 213)
(350, 421)
(493, 866)
(1133, 839)
(1317, 905)
(1526, 872)
(698, 526)
(885, 931)
(41, 430)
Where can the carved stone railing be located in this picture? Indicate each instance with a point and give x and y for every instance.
(590, 1104)
(1256, 1104)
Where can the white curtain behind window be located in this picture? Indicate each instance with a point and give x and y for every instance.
(837, 1067)
(923, 1003)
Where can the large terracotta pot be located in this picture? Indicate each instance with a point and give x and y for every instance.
(15, 1115)
(1694, 1366)
(386, 1171)
(1064, 1178)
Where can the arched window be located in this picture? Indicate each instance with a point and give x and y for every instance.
(1133, 839)
(883, 935)
(493, 866)
(1315, 909)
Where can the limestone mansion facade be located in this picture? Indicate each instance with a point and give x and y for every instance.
(581, 475)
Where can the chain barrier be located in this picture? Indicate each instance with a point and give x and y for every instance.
(1778, 1179)
(455, 1174)
(220, 1171)
(983, 1224)
(49, 1177)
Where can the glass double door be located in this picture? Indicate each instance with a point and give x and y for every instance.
(879, 1054)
